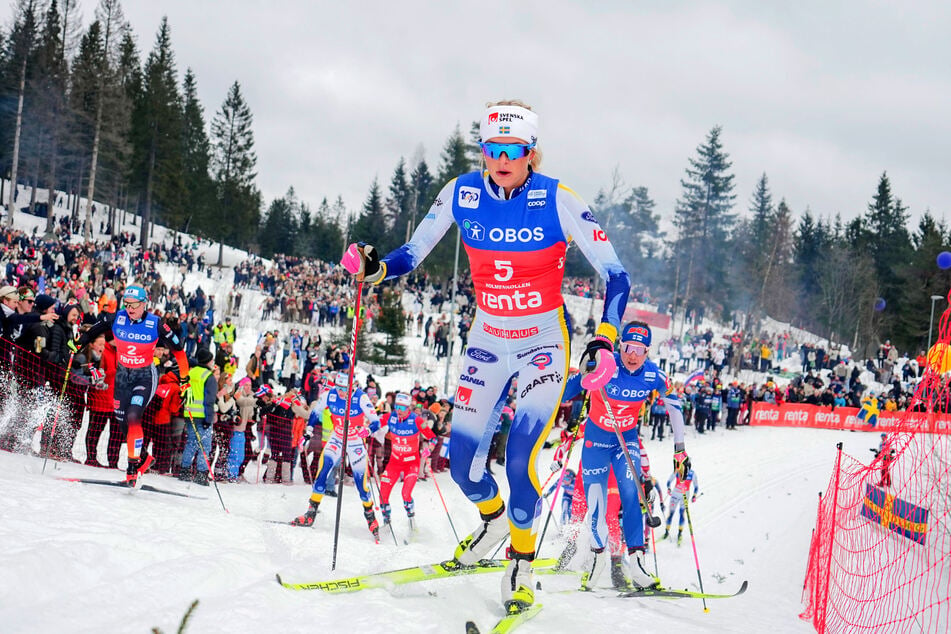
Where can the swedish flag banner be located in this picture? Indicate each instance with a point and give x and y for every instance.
(895, 514)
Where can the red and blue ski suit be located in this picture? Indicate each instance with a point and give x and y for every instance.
(601, 450)
(136, 379)
(404, 456)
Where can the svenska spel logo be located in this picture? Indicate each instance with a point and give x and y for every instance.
(463, 395)
(494, 117)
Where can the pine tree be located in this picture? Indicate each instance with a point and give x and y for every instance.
(810, 244)
(887, 240)
(19, 47)
(399, 206)
(775, 291)
(704, 222)
(392, 324)
(372, 226)
(455, 161)
(157, 133)
(48, 92)
(109, 15)
(199, 190)
(421, 183)
(128, 92)
(233, 163)
(280, 225)
(919, 280)
(753, 241)
(85, 96)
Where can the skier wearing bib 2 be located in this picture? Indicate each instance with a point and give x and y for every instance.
(516, 225)
(136, 333)
(632, 384)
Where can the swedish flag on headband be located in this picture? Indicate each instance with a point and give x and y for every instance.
(895, 514)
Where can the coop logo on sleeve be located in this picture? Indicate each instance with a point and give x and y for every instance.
(463, 395)
(469, 197)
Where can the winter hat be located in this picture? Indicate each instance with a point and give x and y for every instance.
(43, 302)
(264, 390)
(204, 356)
(9, 292)
(637, 333)
(64, 310)
(135, 293)
(505, 121)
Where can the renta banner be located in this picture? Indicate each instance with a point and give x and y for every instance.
(819, 417)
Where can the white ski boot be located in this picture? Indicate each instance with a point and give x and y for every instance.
(592, 572)
(494, 528)
(637, 570)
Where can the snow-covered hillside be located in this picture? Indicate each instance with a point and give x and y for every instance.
(84, 558)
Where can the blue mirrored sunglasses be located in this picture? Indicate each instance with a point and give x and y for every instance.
(513, 151)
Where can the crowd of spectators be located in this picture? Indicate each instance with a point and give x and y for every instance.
(53, 288)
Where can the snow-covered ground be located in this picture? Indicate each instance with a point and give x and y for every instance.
(85, 558)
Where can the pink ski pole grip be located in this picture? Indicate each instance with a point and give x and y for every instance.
(352, 260)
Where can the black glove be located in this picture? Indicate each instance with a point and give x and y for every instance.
(363, 261)
(372, 272)
(589, 358)
(648, 491)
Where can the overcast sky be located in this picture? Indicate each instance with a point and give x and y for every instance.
(822, 96)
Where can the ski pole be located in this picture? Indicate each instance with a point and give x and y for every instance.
(693, 543)
(554, 498)
(59, 406)
(445, 508)
(654, 548)
(651, 519)
(211, 476)
(346, 422)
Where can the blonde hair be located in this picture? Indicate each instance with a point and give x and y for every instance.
(536, 160)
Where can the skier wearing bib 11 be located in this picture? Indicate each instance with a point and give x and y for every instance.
(516, 225)
(632, 384)
(404, 429)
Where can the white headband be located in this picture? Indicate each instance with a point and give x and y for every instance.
(514, 121)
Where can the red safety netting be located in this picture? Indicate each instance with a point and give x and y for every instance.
(72, 419)
(880, 556)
